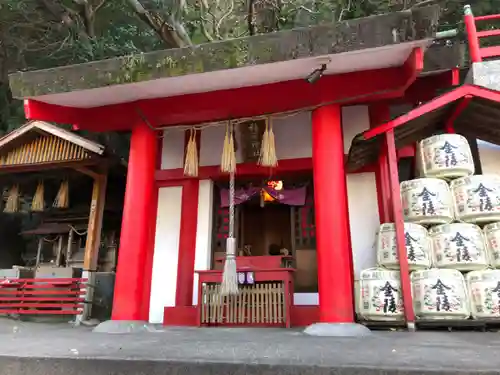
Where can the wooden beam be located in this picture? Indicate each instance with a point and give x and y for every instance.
(95, 222)
(88, 172)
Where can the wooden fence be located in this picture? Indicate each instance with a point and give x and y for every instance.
(257, 304)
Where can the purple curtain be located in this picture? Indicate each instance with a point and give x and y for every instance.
(291, 197)
(240, 195)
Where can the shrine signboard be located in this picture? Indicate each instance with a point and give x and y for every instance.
(251, 139)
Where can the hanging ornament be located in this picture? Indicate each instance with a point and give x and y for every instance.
(12, 204)
(268, 156)
(228, 161)
(230, 275)
(62, 198)
(191, 159)
(38, 203)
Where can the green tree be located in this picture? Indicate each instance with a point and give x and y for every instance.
(38, 34)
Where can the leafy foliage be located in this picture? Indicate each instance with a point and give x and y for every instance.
(38, 34)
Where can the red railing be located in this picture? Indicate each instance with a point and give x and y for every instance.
(478, 53)
(42, 296)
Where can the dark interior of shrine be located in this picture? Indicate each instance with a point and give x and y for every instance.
(266, 227)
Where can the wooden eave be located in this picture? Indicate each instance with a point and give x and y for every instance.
(469, 109)
(39, 145)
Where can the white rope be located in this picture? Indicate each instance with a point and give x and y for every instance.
(79, 233)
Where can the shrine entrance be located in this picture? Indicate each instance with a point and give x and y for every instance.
(274, 226)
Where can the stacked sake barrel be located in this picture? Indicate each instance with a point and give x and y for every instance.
(448, 252)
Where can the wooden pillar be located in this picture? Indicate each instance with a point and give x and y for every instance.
(93, 241)
(95, 223)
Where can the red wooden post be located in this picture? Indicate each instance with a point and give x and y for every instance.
(400, 231)
(472, 38)
(379, 114)
(335, 284)
(131, 290)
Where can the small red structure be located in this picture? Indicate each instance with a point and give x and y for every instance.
(173, 224)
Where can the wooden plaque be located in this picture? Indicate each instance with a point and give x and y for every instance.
(251, 139)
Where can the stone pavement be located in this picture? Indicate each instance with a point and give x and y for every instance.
(59, 349)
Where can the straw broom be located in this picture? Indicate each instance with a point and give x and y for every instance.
(38, 203)
(62, 197)
(12, 204)
(268, 156)
(191, 160)
(228, 165)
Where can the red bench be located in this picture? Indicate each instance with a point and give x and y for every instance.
(42, 296)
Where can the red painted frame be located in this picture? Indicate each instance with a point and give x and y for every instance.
(213, 172)
(477, 53)
(455, 95)
(397, 212)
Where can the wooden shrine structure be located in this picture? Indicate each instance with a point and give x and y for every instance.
(41, 153)
(472, 110)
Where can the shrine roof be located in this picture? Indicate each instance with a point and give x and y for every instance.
(248, 61)
(473, 111)
(20, 135)
(40, 145)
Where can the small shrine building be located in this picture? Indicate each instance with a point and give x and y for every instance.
(316, 88)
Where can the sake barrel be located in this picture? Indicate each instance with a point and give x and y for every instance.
(492, 239)
(380, 295)
(458, 245)
(476, 199)
(445, 156)
(426, 201)
(417, 244)
(439, 294)
(483, 288)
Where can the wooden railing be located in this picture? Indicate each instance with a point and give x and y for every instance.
(265, 302)
(478, 53)
(42, 296)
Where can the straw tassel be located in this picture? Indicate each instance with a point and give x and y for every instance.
(12, 204)
(228, 161)
(38, 203)
(268, 156)
(191, 160)
(62, 198)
